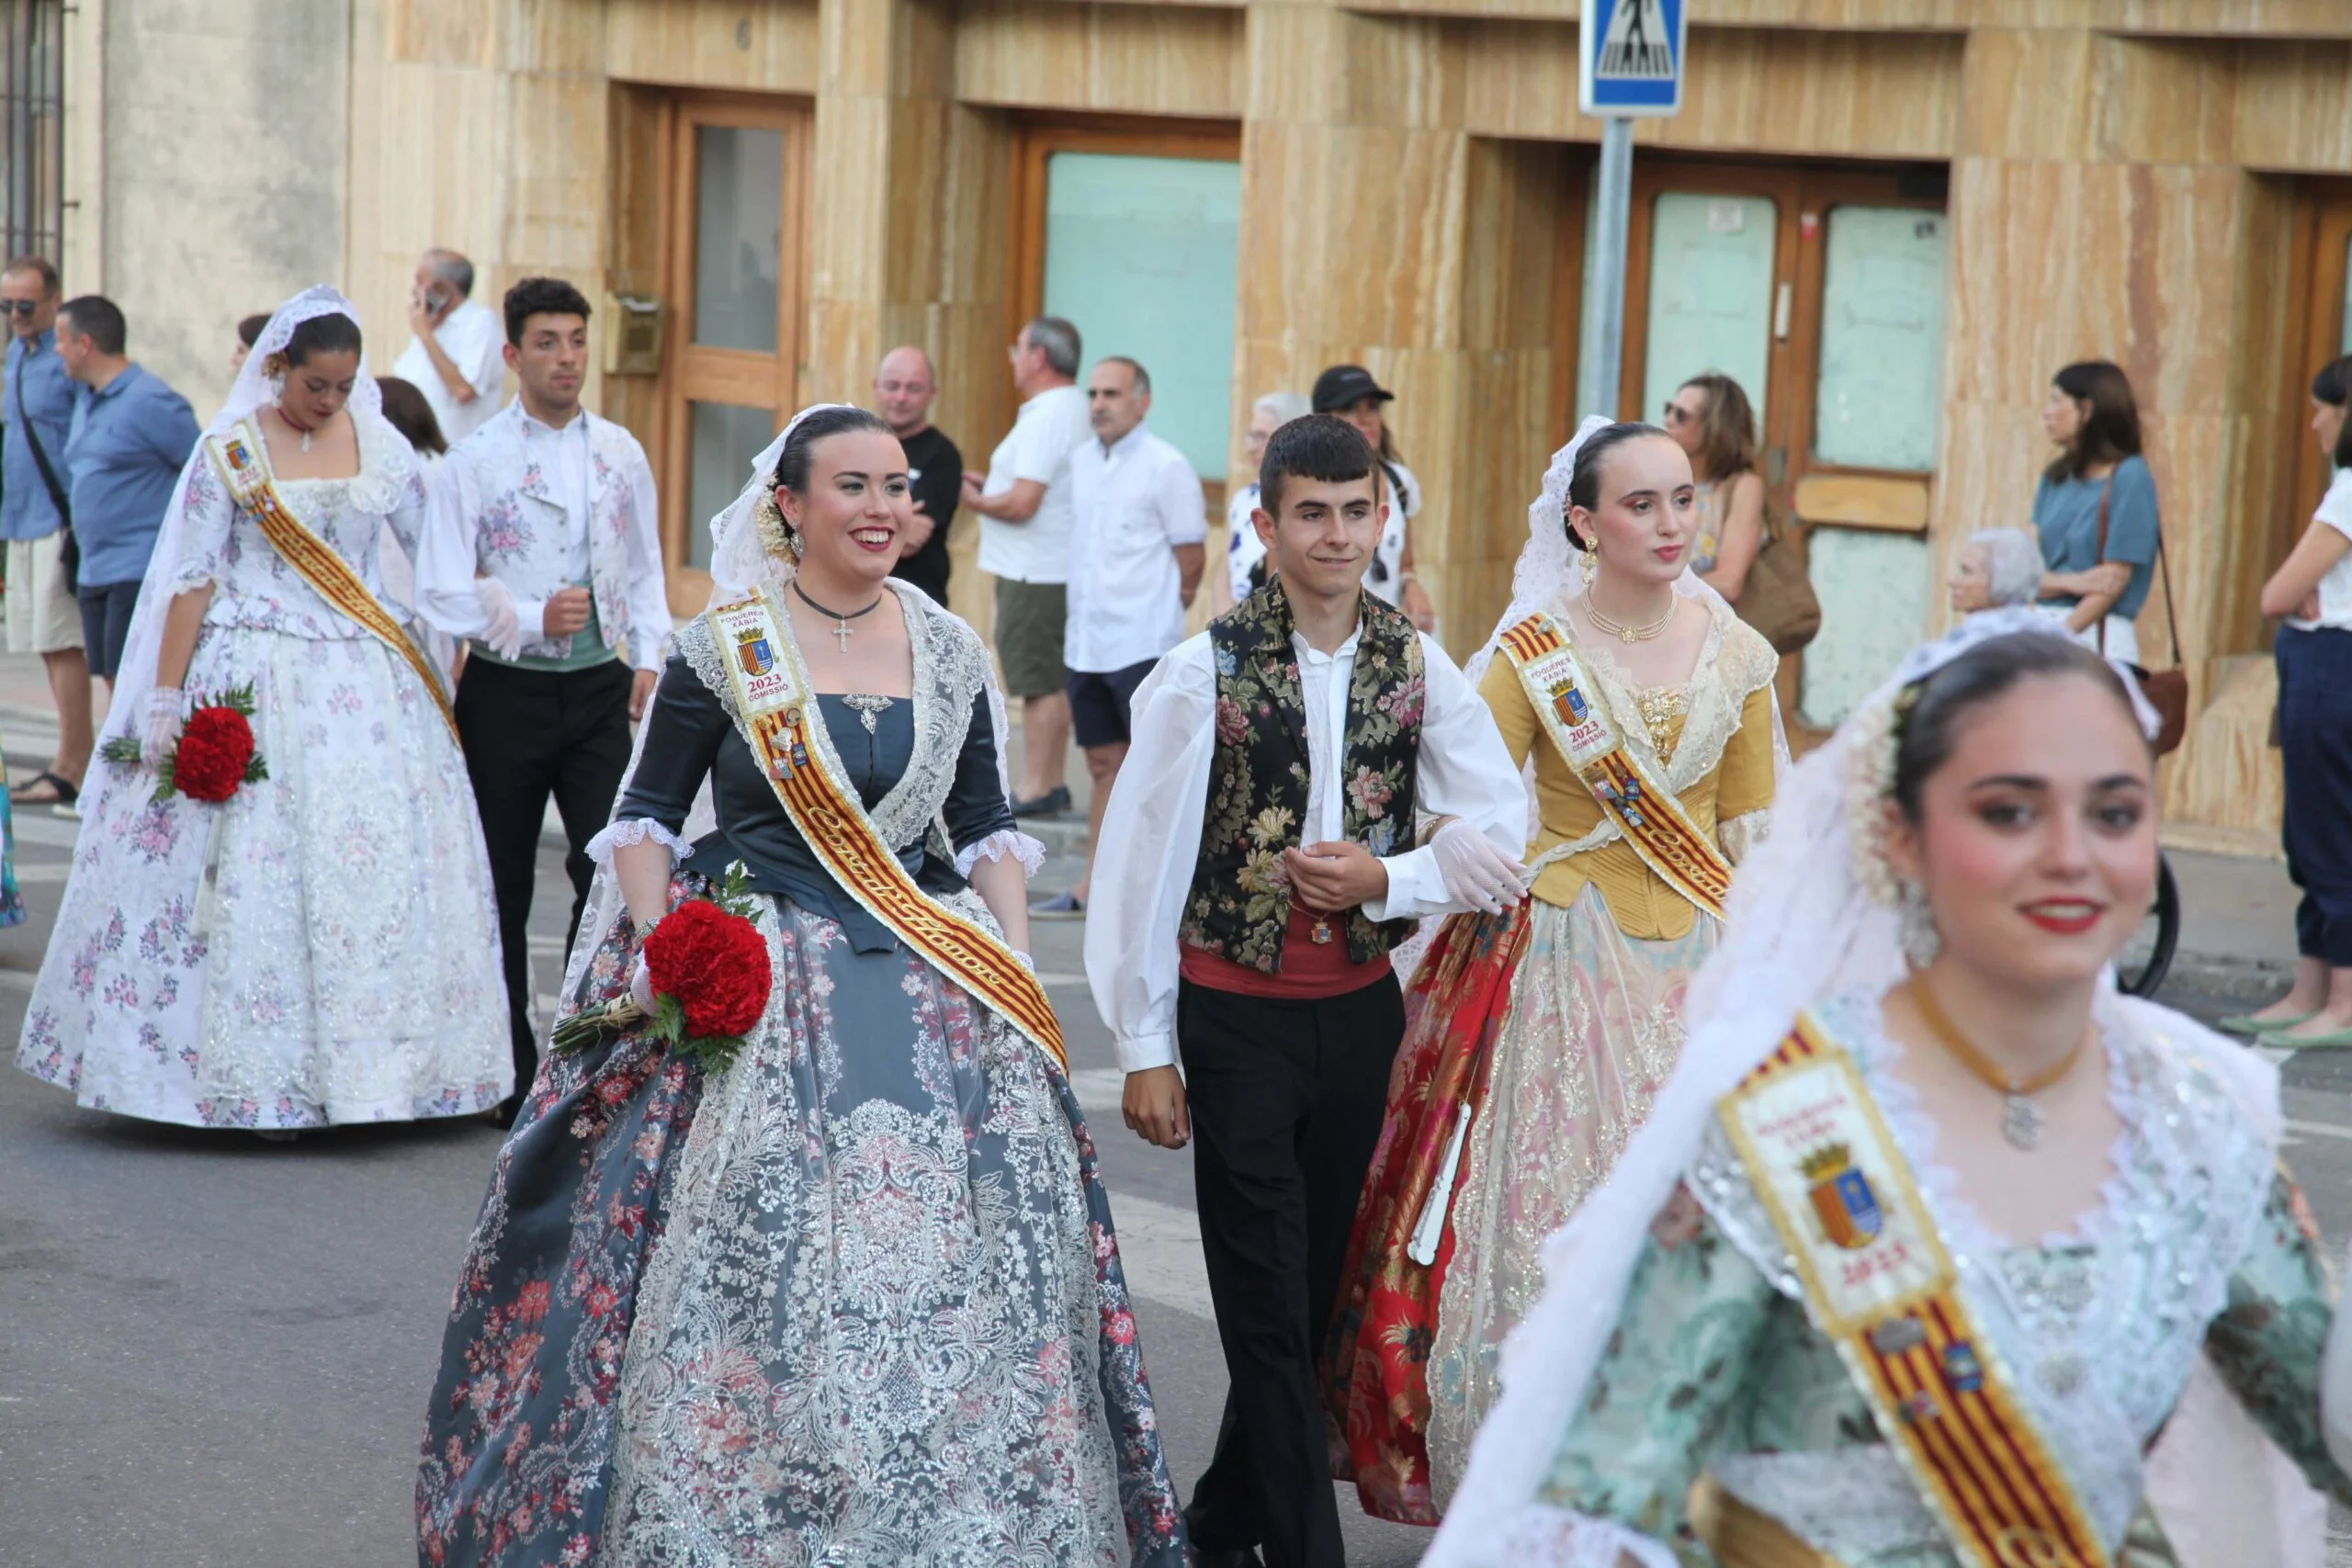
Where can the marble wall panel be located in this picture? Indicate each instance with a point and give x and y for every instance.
(2294, 105)
(562, 36)
(1873, 94)
(441, 32)
(765, 46)
(558, 199)
(1107, 58)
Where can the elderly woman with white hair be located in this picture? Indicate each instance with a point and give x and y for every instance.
(1244, 550)
(1997, 567)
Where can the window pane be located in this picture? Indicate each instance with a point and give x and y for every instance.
(1711, 294)
(1880, 396)
(1140, 255)
(1873, 589)
(739, 236)
(727, 436)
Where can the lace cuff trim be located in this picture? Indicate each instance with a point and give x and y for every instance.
(996, 846)
(1540, 1534)
(1740, 836)
(634, 830)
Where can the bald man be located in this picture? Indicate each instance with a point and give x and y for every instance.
(904, 387)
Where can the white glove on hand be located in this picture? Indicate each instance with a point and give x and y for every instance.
(502, 630)
(159, 726)
(640, 986)
(1475, 873)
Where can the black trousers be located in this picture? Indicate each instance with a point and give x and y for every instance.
(530, 734)
(1286, 1099)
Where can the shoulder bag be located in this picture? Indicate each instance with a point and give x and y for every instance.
(2166, 690)
(1778, 599)
(69, 554)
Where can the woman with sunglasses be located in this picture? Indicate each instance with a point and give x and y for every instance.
(1710, 419)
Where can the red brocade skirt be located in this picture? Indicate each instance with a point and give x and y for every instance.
(1376, 1356)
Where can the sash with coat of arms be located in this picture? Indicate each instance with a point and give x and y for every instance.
(1878, 1283)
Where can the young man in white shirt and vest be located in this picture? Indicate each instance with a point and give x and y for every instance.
(1306, 779)
(543, 550)
(1136, 557)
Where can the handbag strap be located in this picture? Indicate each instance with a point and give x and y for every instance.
(2098, 557)
(41, 458)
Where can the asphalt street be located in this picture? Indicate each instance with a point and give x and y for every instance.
(214, 1351)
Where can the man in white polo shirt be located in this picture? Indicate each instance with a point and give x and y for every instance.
(458, 357)
(1135, 563)
(1025, 510)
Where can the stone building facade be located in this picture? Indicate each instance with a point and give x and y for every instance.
(1894, 219)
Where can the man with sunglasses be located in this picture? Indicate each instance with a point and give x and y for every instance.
(44, 616)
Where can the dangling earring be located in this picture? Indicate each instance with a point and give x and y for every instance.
(1916, 925)
(1585, 555)
(276, 382)
(793, 542)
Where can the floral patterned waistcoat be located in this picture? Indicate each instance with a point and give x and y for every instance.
(1240, 903)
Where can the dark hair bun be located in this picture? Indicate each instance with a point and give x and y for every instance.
(792, 463)
(332, 333)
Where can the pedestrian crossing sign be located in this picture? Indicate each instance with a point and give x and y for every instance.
(1630, 57)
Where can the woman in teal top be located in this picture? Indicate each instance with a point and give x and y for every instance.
(1945, 885)
(2095, 422)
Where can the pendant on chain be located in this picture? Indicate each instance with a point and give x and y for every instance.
(2022, 1122)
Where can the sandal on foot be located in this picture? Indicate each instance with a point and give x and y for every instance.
(2247, 1024)
(62, 792)
(2337, 1040)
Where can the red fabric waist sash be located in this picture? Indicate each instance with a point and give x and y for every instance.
(1310, 971)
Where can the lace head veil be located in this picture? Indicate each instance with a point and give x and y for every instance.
(252, 389)
(1811, 915)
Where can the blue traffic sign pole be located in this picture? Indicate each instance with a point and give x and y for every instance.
(1630, 62)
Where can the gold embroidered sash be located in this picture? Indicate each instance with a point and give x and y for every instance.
(1880, 1285)
(237, 453)
(772, 704)
(1645, 810)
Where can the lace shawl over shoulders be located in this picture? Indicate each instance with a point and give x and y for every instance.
(386, 466)
(1734, 662)
(950, 674)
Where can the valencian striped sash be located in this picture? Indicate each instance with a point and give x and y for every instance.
(772, 713)
(237, 453)
(1880, 1285)
(1642, 808)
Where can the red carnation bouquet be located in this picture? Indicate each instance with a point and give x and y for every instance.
(708, 968)
(214, 757)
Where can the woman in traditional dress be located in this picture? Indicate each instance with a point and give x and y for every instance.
(853, 1298)
(319, 947)
(1535, 1038)
(1920, 1248)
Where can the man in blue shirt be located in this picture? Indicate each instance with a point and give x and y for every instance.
(37, 407)
(131, 436)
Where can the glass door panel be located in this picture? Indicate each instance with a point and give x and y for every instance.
(1878, 393)
(739, 236)
(1710, 294)
(1142, 256)
(724, 439)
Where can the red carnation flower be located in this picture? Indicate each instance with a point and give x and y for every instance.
(715, 964)
(215, 749)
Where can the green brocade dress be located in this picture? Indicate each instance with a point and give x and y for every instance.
(2201, 1244)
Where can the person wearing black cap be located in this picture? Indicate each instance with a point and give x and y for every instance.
(1349, 391)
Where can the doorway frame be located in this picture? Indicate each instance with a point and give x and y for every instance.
(691, 373)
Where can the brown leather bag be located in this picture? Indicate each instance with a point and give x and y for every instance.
(2166, 690)
(1778, 599)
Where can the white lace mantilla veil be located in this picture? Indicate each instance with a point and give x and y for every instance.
(251, 391)
(1810, 916)
(740, 562)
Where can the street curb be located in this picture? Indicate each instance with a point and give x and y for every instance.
(2230, 978)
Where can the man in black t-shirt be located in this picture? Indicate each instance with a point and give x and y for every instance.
(903, 390)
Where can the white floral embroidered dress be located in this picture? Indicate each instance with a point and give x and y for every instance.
(320, 948)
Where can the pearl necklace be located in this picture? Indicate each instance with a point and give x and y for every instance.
(1619, 629)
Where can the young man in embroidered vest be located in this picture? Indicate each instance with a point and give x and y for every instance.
(1258, 862)
(543, 551)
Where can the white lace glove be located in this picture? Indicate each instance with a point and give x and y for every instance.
(1477, 873)
(640, 986)
(159, 726)
(503, 632)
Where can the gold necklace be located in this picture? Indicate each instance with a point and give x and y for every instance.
(2021, 1119)
(1619, 629)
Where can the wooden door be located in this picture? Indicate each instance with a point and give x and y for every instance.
(733, 278)
(1821, 290)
